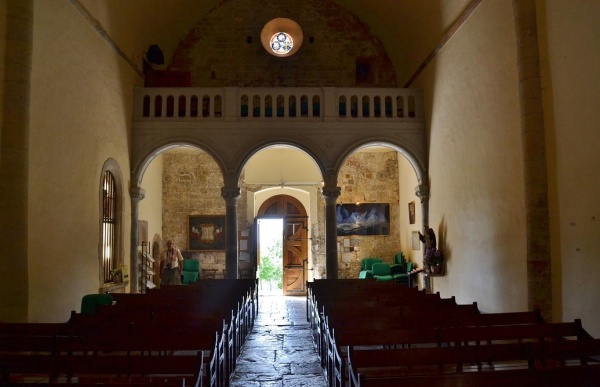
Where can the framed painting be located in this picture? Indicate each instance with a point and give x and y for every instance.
(206, 232)
(363, 219)
(411, 212)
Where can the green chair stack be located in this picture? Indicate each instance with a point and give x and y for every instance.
(398, 265)
(366, 266)
(382, 272)
(191, 271)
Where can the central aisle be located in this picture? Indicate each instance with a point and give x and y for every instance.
(279, 350)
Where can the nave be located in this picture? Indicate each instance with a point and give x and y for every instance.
(279, 351)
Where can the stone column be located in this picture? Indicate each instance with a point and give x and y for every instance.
(14, 162)
(137, 194)
(231, 196)
(539, 278)
(422, 191)
(330, 194)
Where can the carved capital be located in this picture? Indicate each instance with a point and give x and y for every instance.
(422, 191)
(137, 193)
(229, 193)
(331, 192)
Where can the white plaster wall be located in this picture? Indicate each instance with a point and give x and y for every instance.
(150, 208)
(80, 117)
(570, 52)
(278, 165)
(476, 169)
(408, 182)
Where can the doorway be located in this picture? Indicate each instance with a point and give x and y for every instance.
(294, 241)
(270, 253)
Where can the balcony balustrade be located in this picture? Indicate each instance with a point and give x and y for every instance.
(277, 104)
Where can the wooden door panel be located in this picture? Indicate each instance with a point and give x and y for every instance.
(293, 281)
(295, 253)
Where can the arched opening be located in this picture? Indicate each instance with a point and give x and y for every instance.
(182, 183)
(286, 169)
(377, 215)
(288, 253)
(289, 171)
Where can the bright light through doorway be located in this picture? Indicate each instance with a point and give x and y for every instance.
(270, 269)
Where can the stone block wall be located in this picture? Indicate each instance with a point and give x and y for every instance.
(370, 177)
(222, 50)
(192, 184)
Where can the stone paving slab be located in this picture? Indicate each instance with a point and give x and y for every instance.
(279, 351)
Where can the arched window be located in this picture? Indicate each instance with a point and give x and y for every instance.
(110, 221)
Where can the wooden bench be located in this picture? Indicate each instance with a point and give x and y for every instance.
(569, 376)
(18, 368)
(393, 365)
(197, 325)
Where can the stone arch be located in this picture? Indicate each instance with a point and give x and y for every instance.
(417, 162)
(140, 164)
(367, 195)
(243, 161)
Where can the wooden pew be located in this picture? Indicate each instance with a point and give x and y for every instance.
(573, 376)
(18, 368)
(131, 328)
(394, 365)
(502, 318)
(338, 341)
(359, 293)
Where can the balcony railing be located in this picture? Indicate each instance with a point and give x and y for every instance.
(276, 104)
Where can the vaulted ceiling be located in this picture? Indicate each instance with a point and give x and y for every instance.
(408, 29)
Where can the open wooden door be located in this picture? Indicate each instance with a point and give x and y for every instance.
(295, 240)
(295, 255)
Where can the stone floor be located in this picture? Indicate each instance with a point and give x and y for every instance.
(279, 350)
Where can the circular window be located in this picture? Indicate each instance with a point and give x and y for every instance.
(281, 43)
(281, 37)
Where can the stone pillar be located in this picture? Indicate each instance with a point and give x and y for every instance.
(422, 191)
(137, 194)
(330, 194)
(539, 278)
(14, 162)
(231, 196)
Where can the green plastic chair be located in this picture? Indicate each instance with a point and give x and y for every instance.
(366, 266)
(89, 302)
(191, 271)
(398, 265)
(381, 272)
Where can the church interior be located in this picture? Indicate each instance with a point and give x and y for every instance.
(475, 118)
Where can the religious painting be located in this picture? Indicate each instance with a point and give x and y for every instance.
(206, 232)
(411, 212)
(363, 219)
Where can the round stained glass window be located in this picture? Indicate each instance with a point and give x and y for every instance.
(281, 43)
(281, 37)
